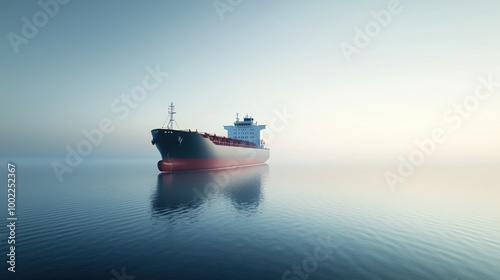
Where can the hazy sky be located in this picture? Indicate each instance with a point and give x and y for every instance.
(258, 57)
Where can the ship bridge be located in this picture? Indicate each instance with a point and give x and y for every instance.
(246, 130)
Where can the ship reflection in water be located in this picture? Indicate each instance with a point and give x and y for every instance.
(179, 192)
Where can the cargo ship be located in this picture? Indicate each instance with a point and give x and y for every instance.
(193, 150)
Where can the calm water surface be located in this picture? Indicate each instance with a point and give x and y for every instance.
(123, 220)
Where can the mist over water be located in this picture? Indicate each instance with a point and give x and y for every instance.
(381, 119)
(261, 222)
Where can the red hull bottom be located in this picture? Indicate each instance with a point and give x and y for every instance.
(176, 164)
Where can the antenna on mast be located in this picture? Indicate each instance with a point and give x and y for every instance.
(171, 119)
(171, 112)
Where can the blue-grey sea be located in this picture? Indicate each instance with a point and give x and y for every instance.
(125, 220)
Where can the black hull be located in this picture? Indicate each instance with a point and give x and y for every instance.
(188, 150)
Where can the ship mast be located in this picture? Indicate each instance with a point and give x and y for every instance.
(171, 119)
(171, 112)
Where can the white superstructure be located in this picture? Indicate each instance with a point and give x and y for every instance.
(246, 130)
